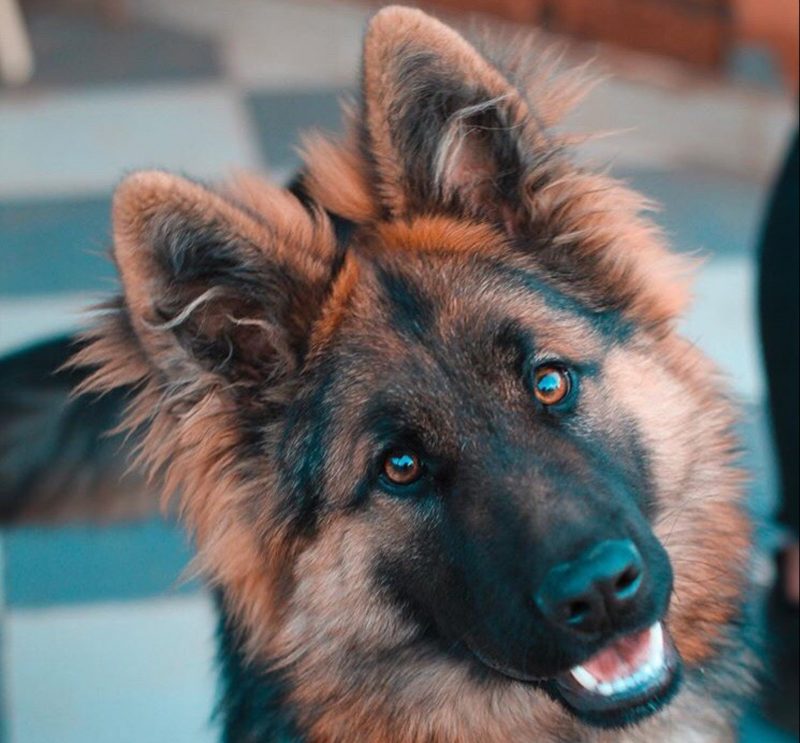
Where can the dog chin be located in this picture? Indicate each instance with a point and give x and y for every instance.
(631, 678)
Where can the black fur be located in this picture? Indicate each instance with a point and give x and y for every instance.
(252, 706)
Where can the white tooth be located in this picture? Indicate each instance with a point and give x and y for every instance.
(605, 689)
(584, 678)
(656, 649)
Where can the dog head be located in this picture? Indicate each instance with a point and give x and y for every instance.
(460, 466)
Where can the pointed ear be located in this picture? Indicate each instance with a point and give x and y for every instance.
(215, 288)
(443, 128)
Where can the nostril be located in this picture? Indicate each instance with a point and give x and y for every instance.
(577, 611)
(627, 582)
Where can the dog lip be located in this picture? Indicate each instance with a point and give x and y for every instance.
(659, 643)
(641, 690)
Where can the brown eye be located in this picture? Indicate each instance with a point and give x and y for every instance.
(402, 467)
(551, 384)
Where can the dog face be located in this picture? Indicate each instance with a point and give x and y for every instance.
(465, 418)
(454, 468)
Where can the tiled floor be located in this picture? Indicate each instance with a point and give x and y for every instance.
(97, 621)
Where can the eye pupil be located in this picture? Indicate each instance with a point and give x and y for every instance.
(551, 384)
(402, 468)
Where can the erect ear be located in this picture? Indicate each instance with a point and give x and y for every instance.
(443, 128)
(217, 287)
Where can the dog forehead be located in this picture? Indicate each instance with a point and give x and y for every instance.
(449, 278)
(460, 306)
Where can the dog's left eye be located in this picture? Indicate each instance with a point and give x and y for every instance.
(402, 467)
(551, 384)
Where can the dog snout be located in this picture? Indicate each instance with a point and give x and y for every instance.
(596, 592)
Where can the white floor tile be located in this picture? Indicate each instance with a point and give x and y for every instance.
(24, 320)
(707, 126)
(84, 141)
(112, 673)
(722, 321)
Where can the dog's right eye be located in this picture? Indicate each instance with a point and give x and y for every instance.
(402, 467)
(551, 384)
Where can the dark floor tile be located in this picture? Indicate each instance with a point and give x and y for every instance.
(77, 564)
(74, 48)
(54, 245)
(703, 211)
(280, 117)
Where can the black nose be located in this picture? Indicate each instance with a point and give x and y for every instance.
(594, 592)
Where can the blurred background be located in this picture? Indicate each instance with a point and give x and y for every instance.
(102, 639)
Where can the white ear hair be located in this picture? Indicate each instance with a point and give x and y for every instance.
(456, 131)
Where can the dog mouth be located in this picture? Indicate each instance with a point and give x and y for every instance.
(630, 678)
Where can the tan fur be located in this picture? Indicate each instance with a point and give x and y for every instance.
(203, 468)
(337, 178)
(336, 307)
(702, 522)
(436, 234)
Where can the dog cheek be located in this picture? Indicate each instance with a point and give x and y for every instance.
(337, 591)
(650, 396)
(700, 519)
(710, 564)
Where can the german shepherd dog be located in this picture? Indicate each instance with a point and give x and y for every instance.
(451, 471)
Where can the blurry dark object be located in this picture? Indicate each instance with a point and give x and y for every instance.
(778, 305)
(96, 42)
(17, 57)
